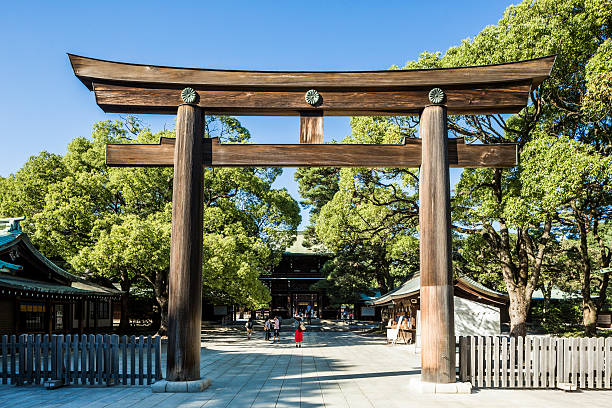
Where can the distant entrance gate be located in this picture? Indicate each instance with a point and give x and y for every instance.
(432, 94)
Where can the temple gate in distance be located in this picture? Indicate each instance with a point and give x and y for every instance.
(431, 93)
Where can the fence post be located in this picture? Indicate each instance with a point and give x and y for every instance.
(29, 378)
(133, 359)
(504, 362)
(60, 357)
(512, 377)
(75, 362)
(608, 356)
(115, 357)
(13, 371)
(45, 358)
(37, 345)
(488, 362)
(91, 367)
(124, 350)
(140, 360)
(83, 359)
(481, 357)
(557, 362)
(67, 358)
(149, 361)
(495, 358)
(583, 362)
(473, 360)
(463, 351)
(591, 344)
(599, 360)
(99, 348)
(22, 360)
(4, 359)
(158, 374)
(107, 360)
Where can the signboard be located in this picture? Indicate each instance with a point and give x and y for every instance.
(392, 333)
(367, 311)
(220, 310)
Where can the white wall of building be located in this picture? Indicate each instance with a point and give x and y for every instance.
(476, 319)
(471, 319)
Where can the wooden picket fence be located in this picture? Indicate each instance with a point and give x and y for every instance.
(86, 359)
(535, 362)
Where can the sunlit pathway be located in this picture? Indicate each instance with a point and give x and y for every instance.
(332, 369)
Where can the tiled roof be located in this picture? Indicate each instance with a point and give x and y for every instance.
(14, 282)
(555, 294)
(9, 266)
(298, 247)
(7, 237)
(11, 235)
(481, 288)
(413, 286)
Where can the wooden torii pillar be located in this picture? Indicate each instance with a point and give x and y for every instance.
(433, 94)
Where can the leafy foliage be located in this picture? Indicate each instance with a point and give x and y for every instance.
(115, 222)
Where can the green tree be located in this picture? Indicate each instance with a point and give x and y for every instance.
(511, 235)
(491, 202)
(366, 217)
(114, 222)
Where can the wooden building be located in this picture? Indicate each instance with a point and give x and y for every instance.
(290, 282)
(37, 296)
(478, 310)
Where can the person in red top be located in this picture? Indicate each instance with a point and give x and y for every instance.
(299, 335)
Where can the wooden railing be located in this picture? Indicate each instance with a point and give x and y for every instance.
(93, 360)
(536, 362)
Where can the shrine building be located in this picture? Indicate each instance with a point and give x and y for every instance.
(37, 296)
(290, 282)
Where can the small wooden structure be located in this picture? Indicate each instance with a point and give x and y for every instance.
(37, 296)
(432, 94)
(478, 309)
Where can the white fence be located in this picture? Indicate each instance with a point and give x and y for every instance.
(535, 362)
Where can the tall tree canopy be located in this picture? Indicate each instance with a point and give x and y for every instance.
(115, 222)
(507, 219)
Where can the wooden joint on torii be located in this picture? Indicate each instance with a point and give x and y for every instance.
(431, 93)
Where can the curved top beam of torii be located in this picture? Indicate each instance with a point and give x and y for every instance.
(136, 88)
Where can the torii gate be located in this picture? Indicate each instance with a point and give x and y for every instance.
(430, 93)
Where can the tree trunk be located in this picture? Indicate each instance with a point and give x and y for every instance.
(518, 310)
(160, 288)
(547, 293)
(163, 316)
(589, 317)
(124, 323)
(589, 310)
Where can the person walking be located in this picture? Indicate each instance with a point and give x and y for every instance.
(299, 335)
(249, 327)
(276, 324)
(267, 327)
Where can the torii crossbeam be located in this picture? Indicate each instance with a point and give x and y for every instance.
(430, 93)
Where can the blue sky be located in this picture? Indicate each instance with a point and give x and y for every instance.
(43, 106)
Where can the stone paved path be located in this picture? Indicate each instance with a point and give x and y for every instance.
(333, 369)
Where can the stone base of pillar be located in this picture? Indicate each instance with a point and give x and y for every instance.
(421, 387)
(181, 386)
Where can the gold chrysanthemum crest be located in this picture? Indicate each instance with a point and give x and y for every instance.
(189, 95)
(312, 97)
(436, 95)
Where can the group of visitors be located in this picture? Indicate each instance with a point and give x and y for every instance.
(272, 326)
